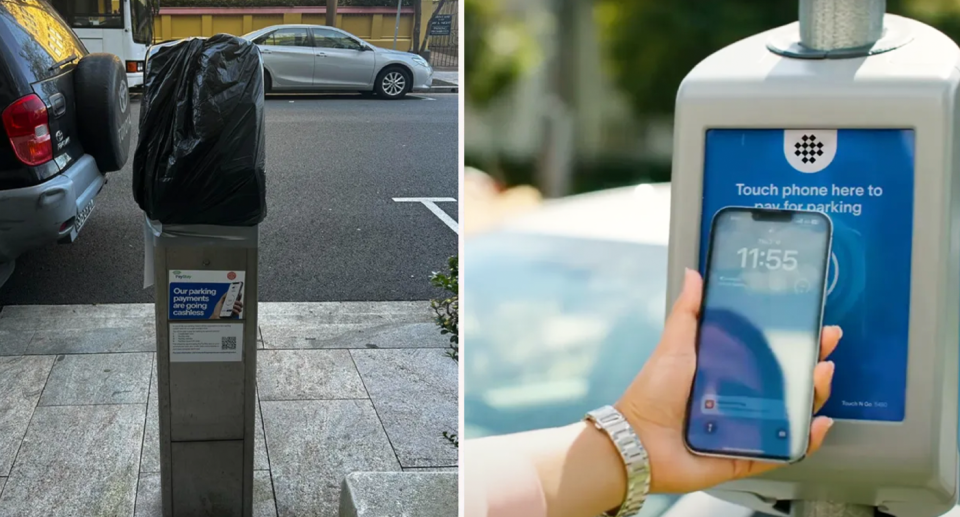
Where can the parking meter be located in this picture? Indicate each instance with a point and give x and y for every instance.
(871, 137)
(199, 178)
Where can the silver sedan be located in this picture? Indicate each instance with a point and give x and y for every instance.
(298, 58)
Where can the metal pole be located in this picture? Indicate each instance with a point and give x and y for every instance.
(396, 28)
(828, 25)
(828, 509)
(841, 24)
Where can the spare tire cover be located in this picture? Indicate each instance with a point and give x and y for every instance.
(103, 110)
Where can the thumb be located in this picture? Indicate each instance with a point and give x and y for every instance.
(680, 331)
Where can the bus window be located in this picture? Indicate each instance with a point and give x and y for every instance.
(142, 26)
(91, 14)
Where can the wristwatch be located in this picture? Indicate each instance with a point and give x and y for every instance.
(635, 458)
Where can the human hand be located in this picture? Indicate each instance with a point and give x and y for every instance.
(655, 404)
(218, 307)
(237, 307)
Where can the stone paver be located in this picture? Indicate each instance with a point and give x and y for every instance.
(15, 342)
(431, 469)
(374, 494)
(263, 503)
(149, 505)
(62, 313)
(77, 460)
(336, 380)
(343, 312)
(98, 379)
(20, 389)
(390, 335)
(150, 456)
(301, 436)
(94, 340)
(415, 393)
(307, 375)
(260, 460)
(148, 496)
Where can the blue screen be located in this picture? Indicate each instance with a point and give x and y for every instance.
(864, 180)
(759, 333)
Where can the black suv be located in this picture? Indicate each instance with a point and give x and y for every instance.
(65, 123)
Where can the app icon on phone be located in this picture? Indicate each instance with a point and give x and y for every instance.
(709, 403)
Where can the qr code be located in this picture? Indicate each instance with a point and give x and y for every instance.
(228, 343)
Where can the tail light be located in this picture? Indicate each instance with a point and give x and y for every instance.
(134, 66)
(26, 123)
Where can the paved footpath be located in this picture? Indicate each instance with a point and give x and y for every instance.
(342, 387)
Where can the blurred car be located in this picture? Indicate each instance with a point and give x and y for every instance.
(307, 58)
(565, 305)
(65, 123)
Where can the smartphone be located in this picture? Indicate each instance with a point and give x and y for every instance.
(758, 338)
(227, 310)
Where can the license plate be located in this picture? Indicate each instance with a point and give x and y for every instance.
(82, 216)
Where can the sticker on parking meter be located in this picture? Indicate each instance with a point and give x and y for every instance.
(863, 180)
(206, 295)
(206, 342)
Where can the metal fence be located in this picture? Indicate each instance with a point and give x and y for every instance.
(443, 33)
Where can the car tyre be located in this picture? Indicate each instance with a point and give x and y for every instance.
(102, 101)
(267, 82)
(393, 83)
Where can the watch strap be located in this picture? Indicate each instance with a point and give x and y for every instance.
(634, 455)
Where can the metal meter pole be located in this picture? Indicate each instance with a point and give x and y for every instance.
(828, 509)
(827, 25)
(841, 24)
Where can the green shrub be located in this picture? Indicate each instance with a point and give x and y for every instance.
(447, 310)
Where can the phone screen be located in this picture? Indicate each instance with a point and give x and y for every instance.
(227, 310)
(759, 335)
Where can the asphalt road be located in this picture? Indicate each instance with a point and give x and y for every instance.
(333, 231)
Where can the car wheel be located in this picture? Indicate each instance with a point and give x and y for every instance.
(393, 83)
(267, 82)
(103, 110)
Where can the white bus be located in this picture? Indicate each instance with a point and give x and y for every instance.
(121, 27)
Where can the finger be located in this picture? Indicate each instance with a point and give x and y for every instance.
(680, 331)
(822, 383)
(829, 338)
(818, 431)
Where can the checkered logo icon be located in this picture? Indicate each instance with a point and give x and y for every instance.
(810, 150)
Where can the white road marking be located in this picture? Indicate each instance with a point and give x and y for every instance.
(431, 204)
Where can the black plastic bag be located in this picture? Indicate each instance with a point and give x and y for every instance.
(200, 158)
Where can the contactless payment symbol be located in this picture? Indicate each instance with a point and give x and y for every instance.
(810, 150)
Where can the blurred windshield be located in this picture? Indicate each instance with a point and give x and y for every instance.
(556, 326)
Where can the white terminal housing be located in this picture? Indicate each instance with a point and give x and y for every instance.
(908, 468)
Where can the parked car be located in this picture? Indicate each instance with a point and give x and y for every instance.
(309, 58)
(65, 121)
(566, 303)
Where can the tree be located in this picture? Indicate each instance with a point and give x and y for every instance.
(332, 13)
(417, 9)
(498, 50)
(651, 45)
